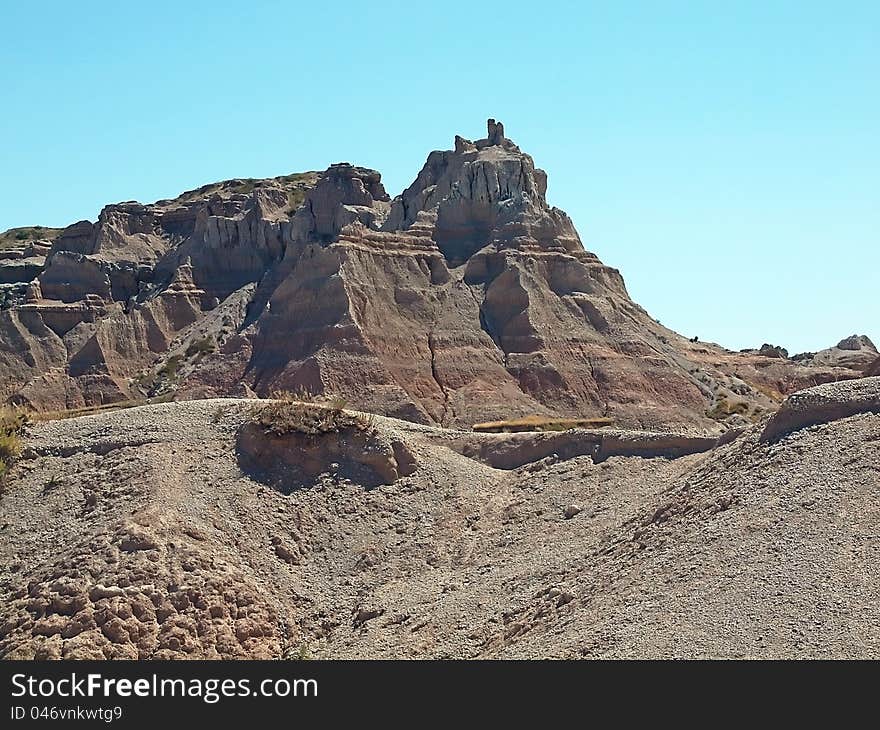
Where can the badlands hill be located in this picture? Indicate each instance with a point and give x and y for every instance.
(731, 508)
(240, 528)
(465, 298)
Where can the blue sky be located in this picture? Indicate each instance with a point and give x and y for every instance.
(724, 156)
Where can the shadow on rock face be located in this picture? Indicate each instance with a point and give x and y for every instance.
(291, 461)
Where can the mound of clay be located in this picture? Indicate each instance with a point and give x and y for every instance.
(291, 444)
(511, 451)
(156, 599)
(823, 404)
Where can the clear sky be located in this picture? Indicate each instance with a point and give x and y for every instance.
(724, 156)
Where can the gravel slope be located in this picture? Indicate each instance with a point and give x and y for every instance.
(136, 534)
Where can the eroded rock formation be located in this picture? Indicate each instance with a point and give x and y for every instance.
(467, 297)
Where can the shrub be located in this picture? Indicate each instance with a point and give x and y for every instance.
(221, 413)
(769, 391)
(144, 380)
(245, 187)
(12, 423)
(337, 403)
(170, 368)
(295, 198)
(200, 347)
(724, 408)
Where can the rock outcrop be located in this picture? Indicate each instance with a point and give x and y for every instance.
(823, 404)
(511, 451)
(349, 448)
(99, 317)
(855, 352)
(466, 298)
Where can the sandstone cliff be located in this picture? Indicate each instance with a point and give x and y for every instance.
(467, 297)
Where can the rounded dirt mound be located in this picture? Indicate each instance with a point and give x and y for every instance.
(290, 445)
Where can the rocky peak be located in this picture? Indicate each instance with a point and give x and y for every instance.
(856, 342)
(466, 298)
(855, 352)
(483, 193)
(495, 132)
(495, 137)
(354, 185)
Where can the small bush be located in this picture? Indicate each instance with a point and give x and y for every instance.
(221, 413)
(201, 347)
(170, 368)
(298, 395)
(53, 483)
(22, 236)
(245, 187)
(12, 423)
(143, 380)
(724, 408)
(295, 198)
(769, 391)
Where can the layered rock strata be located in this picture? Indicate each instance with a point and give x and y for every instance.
(466, 298)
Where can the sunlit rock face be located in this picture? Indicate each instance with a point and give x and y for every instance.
(467, 297)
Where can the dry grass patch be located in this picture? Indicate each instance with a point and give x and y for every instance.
(773, 394)
(21, 236)
(540, 423)
(103, 408)
(282, 417)
(299, 395)
(724, 408)
(12, 423)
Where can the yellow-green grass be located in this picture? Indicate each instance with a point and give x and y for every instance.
(12, 423)
(103, 408)
(540, 423)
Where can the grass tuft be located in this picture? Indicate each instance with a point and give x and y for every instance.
(724, 408)
(12, 423)
(540, 423)
(284, 417)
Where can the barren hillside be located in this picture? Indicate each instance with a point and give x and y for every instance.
(152, 532)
